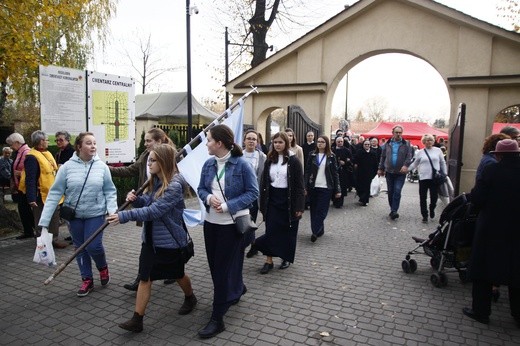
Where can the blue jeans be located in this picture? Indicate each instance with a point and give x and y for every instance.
(394, 183)
(81, 230)
(320, 201)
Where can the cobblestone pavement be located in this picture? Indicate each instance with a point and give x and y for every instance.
(348, 288)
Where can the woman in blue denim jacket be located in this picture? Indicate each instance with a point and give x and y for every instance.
(164, 233)
(227, 187)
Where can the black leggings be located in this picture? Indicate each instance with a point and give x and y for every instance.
(424, 186)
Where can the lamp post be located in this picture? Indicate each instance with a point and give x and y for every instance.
(226, 59)
(189, 9)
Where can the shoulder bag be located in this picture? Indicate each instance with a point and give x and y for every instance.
(68, 213)
(187, 251)
(438, 176)
(243, 223)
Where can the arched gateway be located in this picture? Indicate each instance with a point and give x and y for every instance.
(479, 62)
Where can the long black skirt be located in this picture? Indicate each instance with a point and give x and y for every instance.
(160, 263)
(281, 233)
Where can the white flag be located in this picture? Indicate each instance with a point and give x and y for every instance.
(191, 166)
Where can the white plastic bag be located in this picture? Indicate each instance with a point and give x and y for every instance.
(446, 191)
(44, 253)
(375, 186)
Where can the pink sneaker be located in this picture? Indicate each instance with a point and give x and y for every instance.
(104, 276)
(86, 287)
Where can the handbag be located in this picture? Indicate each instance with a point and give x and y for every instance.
(438, 176)
(187, 251)
(68, 213)
(243, 223)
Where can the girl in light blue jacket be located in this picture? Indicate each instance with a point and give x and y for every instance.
(87, 185)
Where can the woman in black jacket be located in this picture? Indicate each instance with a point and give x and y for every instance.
(282, 201)
(494, 254)
(365, 163)
(321, 182)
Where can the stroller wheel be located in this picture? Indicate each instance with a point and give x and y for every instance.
(413, 265)
(439, 279)
(406, 266)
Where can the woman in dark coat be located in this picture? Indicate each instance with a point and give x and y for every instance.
(365, 163)
(282, 201)
(495, 258)
(321, 182)
(345, 168)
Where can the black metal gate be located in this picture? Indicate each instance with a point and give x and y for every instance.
(301, 123)
(456, 146)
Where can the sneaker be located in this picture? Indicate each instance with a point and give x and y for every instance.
(86, 287)
(104, 276)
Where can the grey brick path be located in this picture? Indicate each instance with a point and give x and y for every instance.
(348, 284)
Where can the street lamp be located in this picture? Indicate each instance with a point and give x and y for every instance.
(226, 58)
(189, 10)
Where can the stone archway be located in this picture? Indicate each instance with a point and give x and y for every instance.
(478, 62)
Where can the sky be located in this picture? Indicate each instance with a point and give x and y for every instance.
(420, 91)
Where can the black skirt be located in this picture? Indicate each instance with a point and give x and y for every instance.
(160, 263)
(281, 233)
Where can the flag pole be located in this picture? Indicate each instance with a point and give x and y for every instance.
(198, 139)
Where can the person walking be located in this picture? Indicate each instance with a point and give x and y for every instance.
(37, 178)
(395, 158)
(65, 149)
(321, 183)
(140, 169)
(87, 185)
(494, 253)
(228, 186)
(294, 148)
(6, 171)
(365, 163)
(17, 143)
(345, 168)
(164, 233)
(256, 159)
(282, 202)
(424, 160)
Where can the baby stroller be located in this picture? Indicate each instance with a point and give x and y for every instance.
(412, 176)
(450, 245)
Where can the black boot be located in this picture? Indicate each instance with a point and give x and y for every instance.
(135, 324)
(188, 305)
(212, 328)
(133, 286)
(252, 251)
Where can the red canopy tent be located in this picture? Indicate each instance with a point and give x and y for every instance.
(499, 126)
(412, 132)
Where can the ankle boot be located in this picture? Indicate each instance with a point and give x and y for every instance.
(214, 327)
(188, 305)
(133, 286)
(135, 324)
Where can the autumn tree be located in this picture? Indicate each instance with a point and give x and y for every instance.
(44, 32)
(510, 10)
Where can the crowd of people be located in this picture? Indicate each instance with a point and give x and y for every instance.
(280, 181)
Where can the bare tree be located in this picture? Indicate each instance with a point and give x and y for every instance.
(375, 107)
(148, 67)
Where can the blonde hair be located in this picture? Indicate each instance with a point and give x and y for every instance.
(426, 137)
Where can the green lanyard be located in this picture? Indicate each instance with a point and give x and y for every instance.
(221, 173)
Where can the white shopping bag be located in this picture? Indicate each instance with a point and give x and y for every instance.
(44, 253)
(375, 186)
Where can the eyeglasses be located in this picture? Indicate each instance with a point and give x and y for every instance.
(59, 140)
(323, 142)
(250, 139)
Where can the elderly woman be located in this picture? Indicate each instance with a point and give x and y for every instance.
(17, 143)
(36, 181)
(65, 149)
(494, 254)
(426, 159)
(6, 167)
